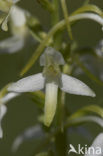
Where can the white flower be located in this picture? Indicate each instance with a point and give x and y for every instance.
(19, 31)
(3, 108)
(51, 79)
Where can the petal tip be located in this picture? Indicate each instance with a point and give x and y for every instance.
(47, 124)
(93, 94)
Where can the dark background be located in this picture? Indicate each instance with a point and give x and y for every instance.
(22, 112)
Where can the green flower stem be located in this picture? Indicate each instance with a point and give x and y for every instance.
(61, 135)
(51, 33)
(55, 17)
(89, 8)
(55, 14)
(61, 143)
(65, 11)
(3, 91)
(60, 110)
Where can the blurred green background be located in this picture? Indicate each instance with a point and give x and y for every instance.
(22, 112)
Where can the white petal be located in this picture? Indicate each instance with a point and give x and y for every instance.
(3, 110)
(34, 132)
(17, 16)
(50, 103)
(51, 54)
(28, 84)
(11, 45)
(74, 86)
(8, 97)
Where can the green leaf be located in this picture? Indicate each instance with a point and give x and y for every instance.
(84, 119)
(87, 110)
(89, 8)
(83, 115)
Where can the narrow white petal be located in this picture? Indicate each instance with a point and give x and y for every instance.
(74, 86)
(8, 97)
(3, 111)
(12, 44)
(34, 132)
(50, 102)
(28, 84)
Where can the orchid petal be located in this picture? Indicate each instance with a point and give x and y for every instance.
(50, 103)
(51, 53)
(28, 84)
(17, 16)
(74, 86)
(12, 44)
(3, 111)
(8, 97)
(34, 132)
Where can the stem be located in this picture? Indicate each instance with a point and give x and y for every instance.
(55, 17)
(65, 11)
(60, 112)
(61, 143)
(55, 14)
(57, 27)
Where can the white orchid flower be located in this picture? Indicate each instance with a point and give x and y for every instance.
(19, 31)
(51, 79)
(3, 108)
